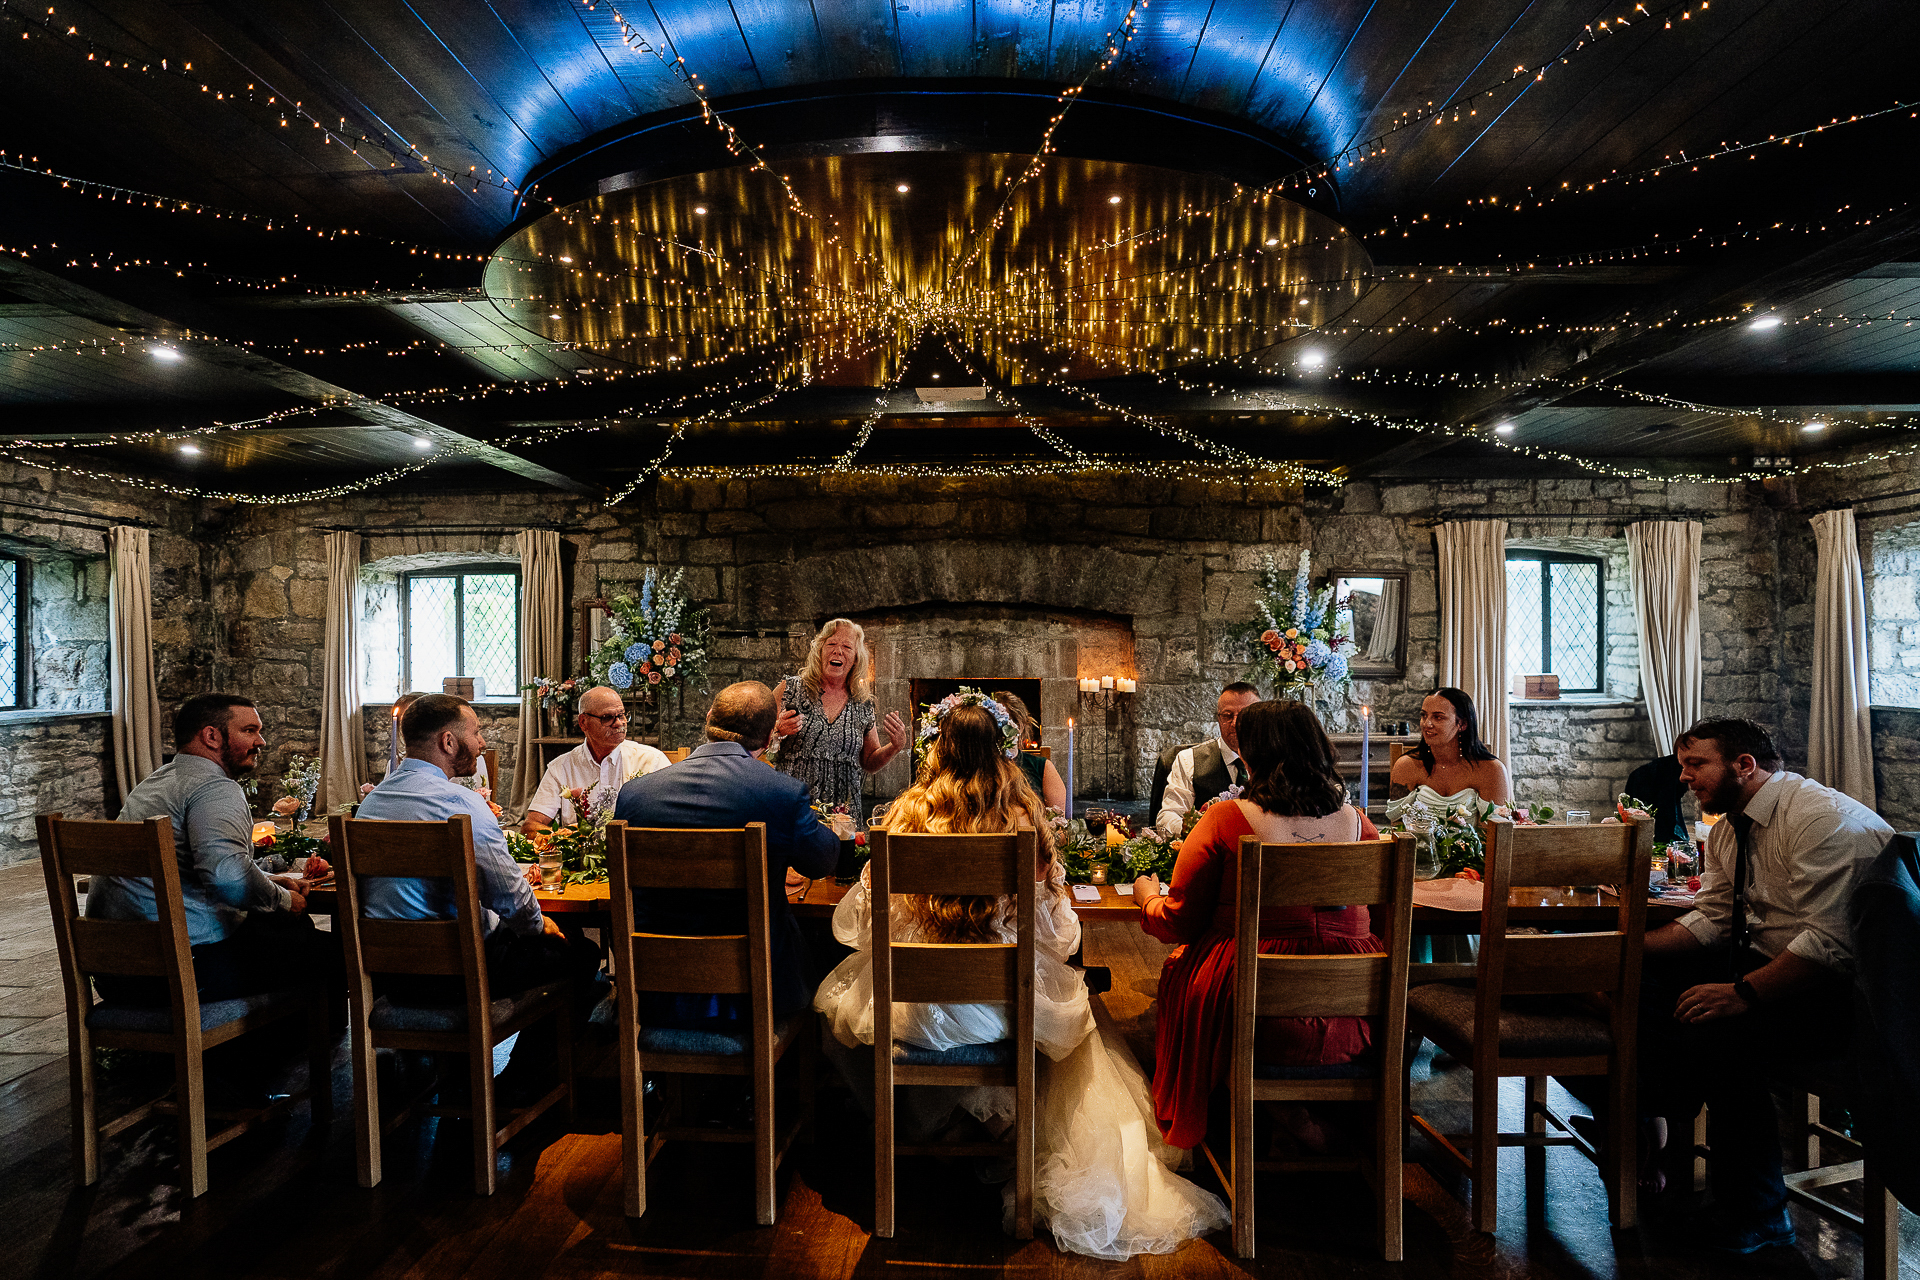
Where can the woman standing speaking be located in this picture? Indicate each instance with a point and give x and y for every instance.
(828, 738)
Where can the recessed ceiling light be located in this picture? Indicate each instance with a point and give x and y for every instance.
(163, 353)
(553, 315)
(699, 208)
(903, 188)
(1503, 428)
(1113, 199)
(1765, 322)
(1273, 239)
(1303, 302)
(422, 442)
(1063, 368)
(936, 377)
(190, 448)
(565, 258)
(1312, 358)
(1815, 425)
(1195, 350)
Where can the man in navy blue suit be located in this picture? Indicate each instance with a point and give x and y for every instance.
(723, 784)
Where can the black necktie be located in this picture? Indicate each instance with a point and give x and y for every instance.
(1742, 832)
(1239, 773)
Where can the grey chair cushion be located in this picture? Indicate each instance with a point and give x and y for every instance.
(387, 1016)
(1530, 1027)
(681, 1040)
(997, 1054)
(107, 1016)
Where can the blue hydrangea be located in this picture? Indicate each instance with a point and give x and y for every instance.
(1337, 665)
(1318, 653)
(637, 652)
(620, 676)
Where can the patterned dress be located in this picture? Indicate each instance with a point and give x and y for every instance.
(825, 754)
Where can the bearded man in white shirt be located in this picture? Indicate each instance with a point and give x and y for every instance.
(600, 766)
(1759, 975)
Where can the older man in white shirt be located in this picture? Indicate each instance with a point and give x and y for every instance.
(1759, 974)
(600, 766)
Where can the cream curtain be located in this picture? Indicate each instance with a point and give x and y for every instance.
(1839, 732)
(136, 701)
(1473, 620)
(1384, 643)
(343, 752)
(543, 645)
(1664, 565)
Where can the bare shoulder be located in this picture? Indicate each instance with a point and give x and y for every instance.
(1492, 781)
(1408, 770)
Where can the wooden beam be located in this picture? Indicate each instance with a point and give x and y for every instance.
(47, 289)
(1602, 356)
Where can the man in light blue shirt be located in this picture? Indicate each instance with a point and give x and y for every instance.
(248, 930)
(525, 948)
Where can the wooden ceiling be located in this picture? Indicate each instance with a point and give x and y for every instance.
(300, 202)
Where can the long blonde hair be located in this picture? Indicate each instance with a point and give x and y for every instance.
(966, 787)
(859, 680)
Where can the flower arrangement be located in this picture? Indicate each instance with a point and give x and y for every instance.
(1457, 843)
(1192, 820)
(1300, 639)
(1150, 853)
(277, 853)
(656, 642)
(1076, 847)
(929, 726)
(298, 784)
(555, 695)
(583, 850)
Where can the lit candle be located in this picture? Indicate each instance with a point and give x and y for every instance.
(1083, 684)
(1106, 682)
(393, 744)
(1366, 756)
(1124, 685)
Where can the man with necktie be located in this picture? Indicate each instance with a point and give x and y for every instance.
(1188, 777)
(1759, 973)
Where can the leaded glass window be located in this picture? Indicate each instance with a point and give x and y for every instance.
(1556, 620)
(13, 632)
(461, 622)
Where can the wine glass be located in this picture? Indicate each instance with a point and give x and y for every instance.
(1097, 822)
(878, 818)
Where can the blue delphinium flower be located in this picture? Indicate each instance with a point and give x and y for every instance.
(620, 676)
(637, 652)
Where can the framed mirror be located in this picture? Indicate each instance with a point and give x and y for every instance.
(595, 620)
(1378, 598)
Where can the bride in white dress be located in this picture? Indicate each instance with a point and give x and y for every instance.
(1104, 1183)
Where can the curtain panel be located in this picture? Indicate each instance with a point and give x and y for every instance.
(1839, 730)
(1664, 568)
(1473, 621)
(343, 752)
(136, 700)
(543, 645)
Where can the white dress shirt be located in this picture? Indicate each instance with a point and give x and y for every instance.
(1809, 847)
(577, 769)
(1177, 801)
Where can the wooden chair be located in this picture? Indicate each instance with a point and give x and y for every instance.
(1878, 1220)
(1375, 873)
(1394, 751)
(956, 973)
(678, 754)
(1547, 1037)
(443, 948)
(734, 964)
(185, 1029)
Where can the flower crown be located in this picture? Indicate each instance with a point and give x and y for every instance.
(930, 719)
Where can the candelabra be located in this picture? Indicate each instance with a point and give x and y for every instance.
(1106, 692)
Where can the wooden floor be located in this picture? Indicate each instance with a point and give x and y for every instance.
(284, 1202)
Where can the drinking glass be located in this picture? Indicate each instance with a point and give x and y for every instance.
(552, 874)
(1579, 817)
(1097, 822)
(1426, 854)
(878, 818)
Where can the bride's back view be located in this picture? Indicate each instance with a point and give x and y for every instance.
(1095, 1190)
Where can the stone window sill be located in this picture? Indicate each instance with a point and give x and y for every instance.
(478, 702)
(34, 715)
(1576, 700)
(1888, 706)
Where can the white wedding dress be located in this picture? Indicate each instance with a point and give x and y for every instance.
(1103, 1175)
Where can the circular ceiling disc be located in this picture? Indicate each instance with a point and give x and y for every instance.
(1067, 268)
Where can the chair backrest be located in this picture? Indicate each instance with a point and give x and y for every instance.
(1373, 873)
(134, 948)
(1616, 854)
(678, 754)
(1394, 751)
(956, 973)
(1162, 770)
(492, 758)
(732, 858)
(411, 850)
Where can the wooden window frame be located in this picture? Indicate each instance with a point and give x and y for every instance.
(459, 573)
(1546, 609)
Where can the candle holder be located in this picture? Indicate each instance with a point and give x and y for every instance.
(1107, 693)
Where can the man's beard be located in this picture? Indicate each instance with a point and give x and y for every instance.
(465, 762)
(1723, 798)
(238, 764)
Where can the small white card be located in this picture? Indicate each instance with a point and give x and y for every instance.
(1124, 890)
(1086, 893)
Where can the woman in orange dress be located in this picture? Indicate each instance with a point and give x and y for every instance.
(1294, 796)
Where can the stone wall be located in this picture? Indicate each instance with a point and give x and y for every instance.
(69, 638)
(55, 764)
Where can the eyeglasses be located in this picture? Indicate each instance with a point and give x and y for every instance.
(1226, 717)
(618, 717)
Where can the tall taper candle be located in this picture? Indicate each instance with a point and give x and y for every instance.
(1366, 756)
(1069, 768)
(393, 744)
